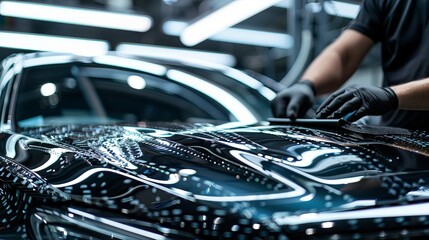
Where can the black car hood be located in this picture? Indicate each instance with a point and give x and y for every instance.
(236, 179)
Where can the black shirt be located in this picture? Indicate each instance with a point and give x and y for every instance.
(402, 28)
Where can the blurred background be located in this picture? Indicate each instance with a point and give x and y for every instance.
(276, 38)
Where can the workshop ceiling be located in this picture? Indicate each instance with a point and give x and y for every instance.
(167, 15)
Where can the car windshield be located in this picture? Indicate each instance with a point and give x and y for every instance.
(85, 93)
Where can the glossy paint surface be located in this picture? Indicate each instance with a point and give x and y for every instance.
(223, 181)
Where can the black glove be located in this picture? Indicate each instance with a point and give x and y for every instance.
(294, 101)
(360, 100)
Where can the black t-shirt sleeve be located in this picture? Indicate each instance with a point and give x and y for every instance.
(369, 20)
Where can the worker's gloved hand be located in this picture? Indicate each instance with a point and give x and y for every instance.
(294, 101)
(360, 101)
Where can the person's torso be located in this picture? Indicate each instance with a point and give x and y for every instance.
(405, 40)
(402, 28)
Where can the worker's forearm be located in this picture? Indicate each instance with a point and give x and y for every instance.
(413, 95)
(338, 61)
(326, 72)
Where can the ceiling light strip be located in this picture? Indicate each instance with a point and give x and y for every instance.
(38, 42)
(70, 15)
(334, 8)
(222, 19)
(341, 9)
(175, 53)
(238, 35)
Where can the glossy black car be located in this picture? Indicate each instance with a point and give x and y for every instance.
(116, 147)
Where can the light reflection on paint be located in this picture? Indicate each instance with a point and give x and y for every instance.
(307, 198)
(136, 82)
(11, 144)
(239, 155)
(116, 160)
(309, 156)
(234, 106)
(251, 82)
(297, 190)
(237, 145)
(55, 154)
(256, 226)
(117, 225)
(173, 178)
(327, 225)
(339, 181)
(7, 77)
(418, 209)
(187, 172)
(359, 203)
(48, 89)
(47, 60)
(331, 161)
(131, 64)
(310, 231)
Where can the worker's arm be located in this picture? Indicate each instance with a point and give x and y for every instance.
(326, 73)
(338, 61)
(413, 95)
(362, 101)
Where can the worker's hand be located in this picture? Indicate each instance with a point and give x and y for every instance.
(294, 101)
(360, 101)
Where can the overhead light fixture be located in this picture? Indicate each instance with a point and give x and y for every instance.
(222, 19)
(175, 53)
(237, 35)
(38, 42)
(334, 8)
(341, 9)
(70, 15)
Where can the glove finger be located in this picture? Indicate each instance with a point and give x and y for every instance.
(335, 104)
(352, 105)
(294, 107)
(278, 106)
(357, 115)
(329, 100)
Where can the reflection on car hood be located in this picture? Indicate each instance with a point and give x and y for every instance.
(228, 180)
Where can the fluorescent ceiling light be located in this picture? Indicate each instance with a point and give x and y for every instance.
(341, 9)
(175, 53)
(238, 35)
(222, 19)
(37, 42)
(94, 18)
(334, 8)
